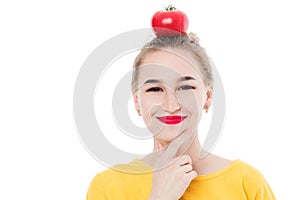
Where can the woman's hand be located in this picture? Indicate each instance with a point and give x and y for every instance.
(173, 173)
(171, 182)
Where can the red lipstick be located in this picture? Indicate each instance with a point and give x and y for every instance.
(175, 119)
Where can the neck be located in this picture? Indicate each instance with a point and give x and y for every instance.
(194, 152)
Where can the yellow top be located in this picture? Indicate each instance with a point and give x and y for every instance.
(237, 181)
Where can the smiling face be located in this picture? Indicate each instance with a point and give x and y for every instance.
(171, 93)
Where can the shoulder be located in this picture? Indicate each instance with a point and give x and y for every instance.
(122, 174)
(253, 182)
(214, 166)
(250, 174)
(236, 170)
(120, 181)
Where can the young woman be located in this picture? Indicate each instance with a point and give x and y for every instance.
(172, 86)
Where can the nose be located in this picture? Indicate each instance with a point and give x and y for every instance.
(171, 103)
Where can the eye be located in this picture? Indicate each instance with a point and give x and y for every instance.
(186, 87)
(154, 89)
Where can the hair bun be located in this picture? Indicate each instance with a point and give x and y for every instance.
(193, 37)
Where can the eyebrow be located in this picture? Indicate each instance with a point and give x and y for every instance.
(184, 78)
(152, 81)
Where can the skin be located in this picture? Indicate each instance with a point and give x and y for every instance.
(170, 84)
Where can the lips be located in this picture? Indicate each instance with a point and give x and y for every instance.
(175, 119)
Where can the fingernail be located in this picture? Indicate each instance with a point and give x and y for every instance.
(160, 147)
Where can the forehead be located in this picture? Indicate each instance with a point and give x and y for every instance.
(170, 63)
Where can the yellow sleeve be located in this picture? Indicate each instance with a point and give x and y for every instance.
(256, 187)
(96, 190)
(264, 193)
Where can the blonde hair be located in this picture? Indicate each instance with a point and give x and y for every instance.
(188, 42)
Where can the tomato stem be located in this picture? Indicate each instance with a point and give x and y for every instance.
(170, 8)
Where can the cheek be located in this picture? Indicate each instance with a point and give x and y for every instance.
(150, 102)
(145, 104)
(191, 101)
(148, 108)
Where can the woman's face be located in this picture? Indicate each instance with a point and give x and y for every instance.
(171, 93)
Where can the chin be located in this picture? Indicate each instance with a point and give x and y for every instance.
(169, 133)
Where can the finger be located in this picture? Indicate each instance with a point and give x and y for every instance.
(191, 175)
(159, 145)
(184, 160)
(186, 168)
(173, 148)
(170, 152)
(185, 145)
(177, 147)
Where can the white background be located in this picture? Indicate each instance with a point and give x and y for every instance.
(254, 44)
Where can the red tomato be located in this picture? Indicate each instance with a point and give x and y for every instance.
(170, 22)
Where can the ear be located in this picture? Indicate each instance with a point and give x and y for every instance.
(208, 99)
(136, 102)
